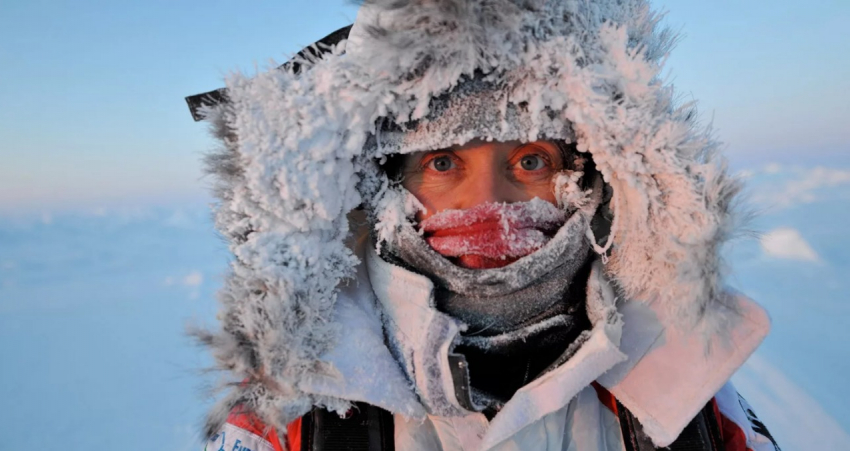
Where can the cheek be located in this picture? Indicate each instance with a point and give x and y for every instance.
(426, 202)
(544, 189)
(431, 196)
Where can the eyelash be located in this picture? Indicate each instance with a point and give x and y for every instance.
(537, 153)
(423, 165)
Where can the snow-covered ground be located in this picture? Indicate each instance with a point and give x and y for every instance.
(94, 304)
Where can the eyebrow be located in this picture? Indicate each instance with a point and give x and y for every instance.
(556, 149)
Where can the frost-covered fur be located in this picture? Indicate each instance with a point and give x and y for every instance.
(293, 166)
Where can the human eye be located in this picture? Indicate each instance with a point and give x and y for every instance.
(440, 163)
(532, 162)
(533, 159)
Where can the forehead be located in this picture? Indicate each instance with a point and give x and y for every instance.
(482, 146)
(479, 144)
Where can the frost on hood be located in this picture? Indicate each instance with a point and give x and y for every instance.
(300, 151)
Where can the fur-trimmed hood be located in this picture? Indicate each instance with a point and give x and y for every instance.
(302, 150)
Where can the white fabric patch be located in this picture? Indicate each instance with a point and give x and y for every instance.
(234, 438)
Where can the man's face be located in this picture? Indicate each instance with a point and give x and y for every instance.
(476, 199)
(478, 172)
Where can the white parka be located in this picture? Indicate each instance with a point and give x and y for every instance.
(302, 308)
(662, 376)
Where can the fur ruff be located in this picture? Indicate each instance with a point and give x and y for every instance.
(298, 167)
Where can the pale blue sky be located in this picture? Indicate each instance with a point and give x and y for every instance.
(92, 91)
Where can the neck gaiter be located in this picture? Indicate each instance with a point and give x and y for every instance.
(521, 316)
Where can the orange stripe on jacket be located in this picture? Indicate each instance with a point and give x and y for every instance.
(293, 435)
(605, 397)
(250, 422)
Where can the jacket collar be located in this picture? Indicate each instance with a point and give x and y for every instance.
(670, 374)
(663, 375)
(423, 339)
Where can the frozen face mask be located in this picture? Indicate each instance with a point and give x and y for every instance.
(492, 235)
(545, 257)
